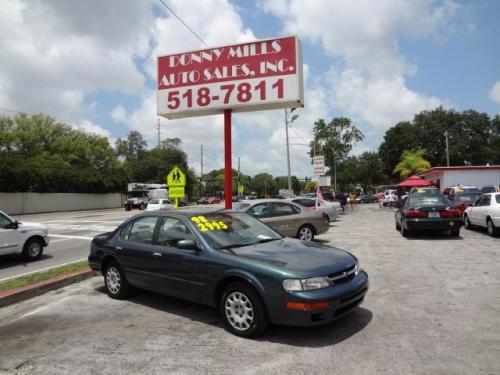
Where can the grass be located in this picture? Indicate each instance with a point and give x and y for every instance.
(21, 281)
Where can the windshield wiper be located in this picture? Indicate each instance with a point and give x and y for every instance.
(268, 240)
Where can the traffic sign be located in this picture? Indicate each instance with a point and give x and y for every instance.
(176, 177)
(241, 189)
(176, 192)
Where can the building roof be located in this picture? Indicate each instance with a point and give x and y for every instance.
(460, 168)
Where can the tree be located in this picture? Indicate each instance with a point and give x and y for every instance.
(334, 140)
(282, 183)
(397, 139)
(412, 163)
(132, 148)
(264, 185)
(39, 154)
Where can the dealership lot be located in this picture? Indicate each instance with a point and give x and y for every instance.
(433, 307)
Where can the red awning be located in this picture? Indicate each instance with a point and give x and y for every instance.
(414, 181)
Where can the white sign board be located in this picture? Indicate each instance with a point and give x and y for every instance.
(319, 171)
(323, 180)
(319, 160)
(264, 74)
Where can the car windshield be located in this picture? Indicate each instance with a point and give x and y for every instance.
(154, 201)
(428, 200)
(226, 230)
(470, 197)
(470, 190)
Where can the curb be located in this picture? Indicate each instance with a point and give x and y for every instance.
(29, 291)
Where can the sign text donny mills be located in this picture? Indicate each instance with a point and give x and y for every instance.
(257, 75)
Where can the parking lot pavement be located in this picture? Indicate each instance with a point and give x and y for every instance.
(70, 234)
(433, 308)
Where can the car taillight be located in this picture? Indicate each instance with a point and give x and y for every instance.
(455, 212)
(415, 213)
(462, 207)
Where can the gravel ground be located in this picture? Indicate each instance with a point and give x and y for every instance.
(433, 308)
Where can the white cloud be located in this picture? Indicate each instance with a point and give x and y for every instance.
(91, 128)
(118, 114)
(495, 92)
(368, 83)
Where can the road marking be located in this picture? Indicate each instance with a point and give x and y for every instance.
(43, 269)
(71, 237)
(56, 241)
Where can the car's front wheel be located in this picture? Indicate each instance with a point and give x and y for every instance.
(455, 232)
(305, 233)
(467, 222)
(33, 249)
(243, 311)
(116, 284)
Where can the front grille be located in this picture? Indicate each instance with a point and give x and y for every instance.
(342, 276)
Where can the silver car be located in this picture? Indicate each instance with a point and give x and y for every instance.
(331, 209)
(288, 218)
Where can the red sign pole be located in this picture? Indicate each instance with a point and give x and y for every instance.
(228, 189)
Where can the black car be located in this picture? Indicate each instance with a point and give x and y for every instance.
(233, 262)
(428, 212)
(367, 198)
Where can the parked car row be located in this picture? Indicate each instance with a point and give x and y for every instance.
(484, 212)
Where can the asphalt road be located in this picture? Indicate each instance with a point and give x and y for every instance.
(70, 234)
(433, 308)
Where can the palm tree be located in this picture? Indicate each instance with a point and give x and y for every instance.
(412, 162)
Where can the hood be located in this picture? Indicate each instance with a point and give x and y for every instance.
(299, 258)
(30, 225)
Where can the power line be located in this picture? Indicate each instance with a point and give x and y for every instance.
(184, 23)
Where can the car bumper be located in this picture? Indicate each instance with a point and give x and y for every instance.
(432, 224)
(342, 299)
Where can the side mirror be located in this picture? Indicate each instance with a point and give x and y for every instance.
(187, 245)
(14, 225)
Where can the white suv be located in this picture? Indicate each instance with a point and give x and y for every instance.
(27, 239)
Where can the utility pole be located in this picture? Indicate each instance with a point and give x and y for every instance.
(201, 169)
(238, 176)
(288, 153)
(447, 149)
(159, 142)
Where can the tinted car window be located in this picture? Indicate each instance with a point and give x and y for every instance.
(143, 229)
(173, 230)
(466, 197)
(4, 222)
(283, 209)
(497, 197)
(428, 200)
(154, 201)
(260, 210)
(125, 231)
(486, 200)
(305, 202)
(241, 206)
(166, 201)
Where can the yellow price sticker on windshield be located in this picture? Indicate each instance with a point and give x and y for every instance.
(204, 225)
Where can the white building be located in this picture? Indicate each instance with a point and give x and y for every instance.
(477, 176)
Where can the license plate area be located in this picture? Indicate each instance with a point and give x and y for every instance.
(433, 214)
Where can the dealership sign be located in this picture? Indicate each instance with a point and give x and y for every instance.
(264, 74)
(319, 165)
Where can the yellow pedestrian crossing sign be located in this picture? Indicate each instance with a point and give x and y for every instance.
(241, 189)
(176, 177)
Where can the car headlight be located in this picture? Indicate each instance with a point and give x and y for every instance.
(295, 285)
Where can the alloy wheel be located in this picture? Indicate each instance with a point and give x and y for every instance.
(306, 234)
(34, 249)
(113, 280)
(491, 229)
(239, 311)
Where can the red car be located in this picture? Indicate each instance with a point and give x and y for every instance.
(464, 200)
(213, 200)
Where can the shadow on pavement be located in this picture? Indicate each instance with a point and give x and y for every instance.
(318, 336)
(11, 260)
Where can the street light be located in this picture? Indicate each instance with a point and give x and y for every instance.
(294, 117)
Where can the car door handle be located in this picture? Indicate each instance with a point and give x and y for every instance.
(118, 248)
(157, 254)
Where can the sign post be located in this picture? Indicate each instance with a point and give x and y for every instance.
(176, 181)
(252, 76)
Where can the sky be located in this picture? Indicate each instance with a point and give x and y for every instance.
(92, 64)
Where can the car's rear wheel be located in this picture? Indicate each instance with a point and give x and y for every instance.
(405, 232)
(116, 284)
(492, 230)
(455, 232)
(398, 227)
(33, 249)
(305, 233)
(243, 311)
